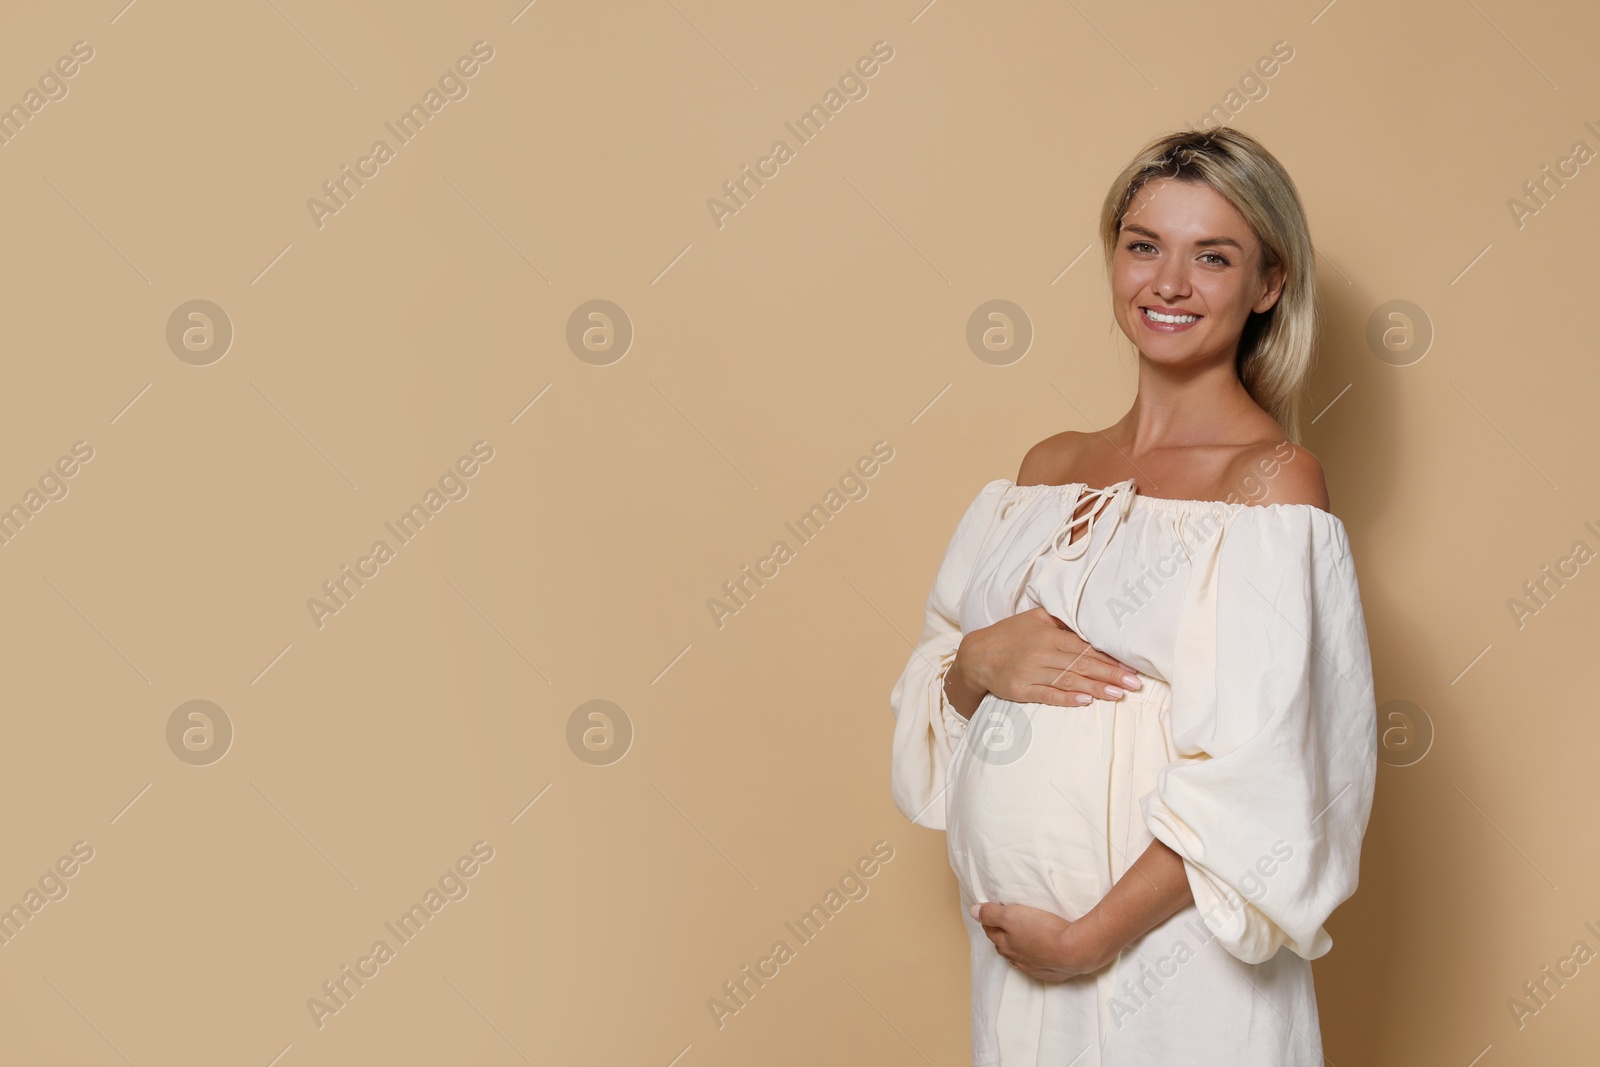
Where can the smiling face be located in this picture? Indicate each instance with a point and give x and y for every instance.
(1187, 254)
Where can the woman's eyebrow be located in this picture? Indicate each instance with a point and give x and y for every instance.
(1136, 228)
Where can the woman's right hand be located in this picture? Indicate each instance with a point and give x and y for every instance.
(1032, 658)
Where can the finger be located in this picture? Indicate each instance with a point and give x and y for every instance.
(1084, 646)
(1078, 662)
(988, 913)
(1089, 654)
(1053, 693)
(1078, 646)
(1121, 667)
(1091, 680)
(1100, 670)
(1073, 691)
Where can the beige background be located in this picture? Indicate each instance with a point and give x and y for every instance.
(430, 313)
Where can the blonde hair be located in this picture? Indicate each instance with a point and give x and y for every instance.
(1276, 347)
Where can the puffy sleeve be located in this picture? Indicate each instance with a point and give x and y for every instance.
(1275, 727)
(926, 726)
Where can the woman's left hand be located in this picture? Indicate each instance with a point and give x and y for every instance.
(1041, 944)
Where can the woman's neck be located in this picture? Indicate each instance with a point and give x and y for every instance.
(1176, 407)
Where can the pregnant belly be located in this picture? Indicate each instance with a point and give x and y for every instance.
(1042, 804)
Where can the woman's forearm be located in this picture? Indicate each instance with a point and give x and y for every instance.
(1154, 888)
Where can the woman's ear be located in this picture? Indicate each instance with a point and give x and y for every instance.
(1273, 289)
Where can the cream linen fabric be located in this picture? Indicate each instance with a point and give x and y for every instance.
(1250, 750)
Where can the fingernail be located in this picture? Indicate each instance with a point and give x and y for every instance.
(1082, 698)
(1131, 681)
(975, 908)
(1113, 692)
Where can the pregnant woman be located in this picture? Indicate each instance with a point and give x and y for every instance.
(1142, 707)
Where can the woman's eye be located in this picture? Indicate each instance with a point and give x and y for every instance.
(1217, 259)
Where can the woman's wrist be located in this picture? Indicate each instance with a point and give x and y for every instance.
(1153, 889)
(1087, 944)
(961, 694)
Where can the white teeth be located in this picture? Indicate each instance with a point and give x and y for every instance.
(1159, 317)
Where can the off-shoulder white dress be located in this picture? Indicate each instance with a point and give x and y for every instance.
(1250, 750)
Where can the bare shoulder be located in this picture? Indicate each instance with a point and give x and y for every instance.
(1278, 473)
(1049, 460)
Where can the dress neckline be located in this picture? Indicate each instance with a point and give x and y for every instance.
(1135, 496)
